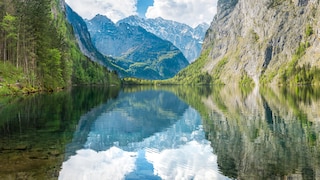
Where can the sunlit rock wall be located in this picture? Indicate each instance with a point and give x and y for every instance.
(260, 37)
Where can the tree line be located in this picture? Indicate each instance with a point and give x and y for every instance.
(36, 38)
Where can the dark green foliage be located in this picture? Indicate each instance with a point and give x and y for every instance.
(44, 123)
(193, 74)
(219, 68)
(275, 3)
(88, 72)
(254, 36)
(35, 37)
(246, 84)
(300, 75)
(265, 79)
(292, 73)
(309, 30)
(203, 78)
(246, 80)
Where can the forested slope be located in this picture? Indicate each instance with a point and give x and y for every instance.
(38, 50)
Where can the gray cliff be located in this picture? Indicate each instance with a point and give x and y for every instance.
(266, 40)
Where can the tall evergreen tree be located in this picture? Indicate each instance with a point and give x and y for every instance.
(36, 38)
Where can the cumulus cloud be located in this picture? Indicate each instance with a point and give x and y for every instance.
(88, 164)
(191, 161)
(113, 9)
(191, 12)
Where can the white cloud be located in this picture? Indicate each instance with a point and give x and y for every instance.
(191, 12)
(191, 161)
(113, 9)
(88, 164)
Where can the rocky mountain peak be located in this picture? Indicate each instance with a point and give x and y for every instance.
(139, 53)
(102, 18)
(187, 39)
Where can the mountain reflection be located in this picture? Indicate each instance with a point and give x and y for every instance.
(130, 118)
(149, 134)
(265, 134)
(221, 133)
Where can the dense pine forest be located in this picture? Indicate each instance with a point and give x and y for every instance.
(39, 51)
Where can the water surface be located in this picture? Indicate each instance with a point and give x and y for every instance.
(162, 133)
(149, 134)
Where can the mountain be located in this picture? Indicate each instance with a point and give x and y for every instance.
(39, 50)
(84, 41)
(187, 39)
(138, 52)
(265, 42)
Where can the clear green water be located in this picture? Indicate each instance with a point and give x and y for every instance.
(161, 133)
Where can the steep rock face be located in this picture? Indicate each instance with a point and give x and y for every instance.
(262, 39)
(187, 39)
(138, 52)
(84, 41)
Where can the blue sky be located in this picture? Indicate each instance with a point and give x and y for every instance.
(142, 6)
(191, 12)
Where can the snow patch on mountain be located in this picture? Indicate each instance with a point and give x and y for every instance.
(187, 39)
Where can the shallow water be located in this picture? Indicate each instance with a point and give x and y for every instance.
(161, 133)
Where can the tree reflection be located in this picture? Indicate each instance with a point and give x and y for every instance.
(265, 134)
(262, 134)
(35, 129)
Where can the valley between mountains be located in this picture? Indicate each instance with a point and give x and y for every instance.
(152, 49)
(265, 43)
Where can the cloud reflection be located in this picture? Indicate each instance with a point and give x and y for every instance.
(190, 161)
(179, 152)
(146, 135)
(89, 164)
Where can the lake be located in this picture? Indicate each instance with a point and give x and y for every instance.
(162, 132)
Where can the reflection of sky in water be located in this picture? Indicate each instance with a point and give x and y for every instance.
(88, 164)
(178, 152)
